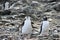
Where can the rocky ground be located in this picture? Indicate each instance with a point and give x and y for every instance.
(9, 24)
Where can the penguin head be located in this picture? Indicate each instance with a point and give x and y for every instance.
(27, 17)
(45, 18)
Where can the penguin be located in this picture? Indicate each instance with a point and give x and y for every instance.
(44, 26)
(27, 27)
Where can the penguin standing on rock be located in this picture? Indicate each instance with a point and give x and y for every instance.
(27, 27)
(44, 27)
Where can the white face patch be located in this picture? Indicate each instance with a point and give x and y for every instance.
(27, 18)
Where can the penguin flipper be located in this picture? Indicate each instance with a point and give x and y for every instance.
(22, 23)
(41, 29)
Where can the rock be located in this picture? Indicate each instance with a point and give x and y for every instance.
(24, 1)
(19, 2)
(1, 6)
(57, 17)
(55, 31)
(58, 30)
(35, 3)
(48, 0)
(57, 7)
(50, 19)
(6, 12)
(4, 36)
(28, 10)
(58, 26)
(55, 36)
(49, 7)
(16, 8)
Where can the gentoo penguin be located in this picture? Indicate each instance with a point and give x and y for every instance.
(27, 27)
(44, 26)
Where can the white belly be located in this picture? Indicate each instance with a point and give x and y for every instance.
(27, 28)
